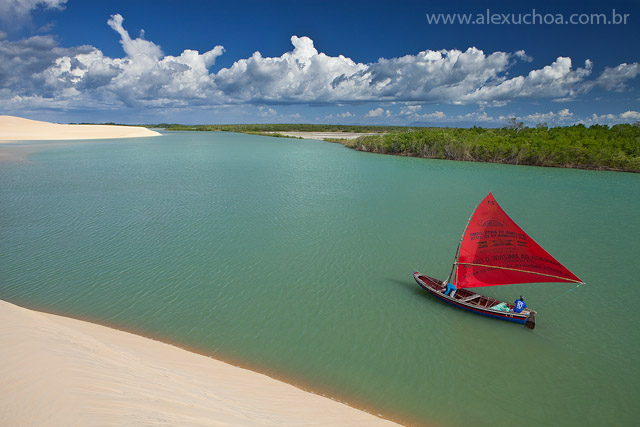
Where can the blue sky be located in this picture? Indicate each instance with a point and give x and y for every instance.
(347, 62)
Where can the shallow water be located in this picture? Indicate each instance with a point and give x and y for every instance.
(294, 258)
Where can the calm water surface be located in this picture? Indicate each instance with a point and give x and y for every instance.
(294, 258)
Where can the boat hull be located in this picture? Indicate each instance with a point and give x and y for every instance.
(475, 303)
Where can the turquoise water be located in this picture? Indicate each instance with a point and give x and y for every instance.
(294, 258)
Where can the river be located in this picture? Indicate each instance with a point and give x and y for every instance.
(294, 258)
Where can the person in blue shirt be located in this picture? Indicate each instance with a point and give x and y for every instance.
(450, 288)
(520, 305)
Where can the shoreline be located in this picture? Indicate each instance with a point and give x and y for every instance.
(321, 136)
(568, 147)
(568, 166)
(60, 370)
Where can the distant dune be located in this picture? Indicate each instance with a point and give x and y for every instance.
(19, 129)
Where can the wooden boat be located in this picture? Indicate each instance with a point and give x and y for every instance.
(494, 250)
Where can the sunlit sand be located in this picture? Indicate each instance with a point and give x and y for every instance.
(19, 129)
(60, 371)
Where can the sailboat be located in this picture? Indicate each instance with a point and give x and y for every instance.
(494, 250)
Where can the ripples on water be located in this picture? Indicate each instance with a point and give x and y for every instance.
(295, 258)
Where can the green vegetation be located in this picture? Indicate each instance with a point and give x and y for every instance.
(595, 147)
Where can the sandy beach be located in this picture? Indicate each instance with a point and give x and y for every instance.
(19, 129)
(57, 371)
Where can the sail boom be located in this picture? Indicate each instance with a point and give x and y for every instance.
(562, 279)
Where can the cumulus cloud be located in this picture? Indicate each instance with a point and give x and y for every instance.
(565, 113)
(603, 118)
(565, 117)
(435, 115)
(144, 76)
(345, 115)
(137, 47)
(14, 13)
(412, 112)
(302, 75)
(477, 116)
(38, 68)
(378, 112)
(522, 55)
(630, 116)
(23, 62)
(558, 117)
(409, 110)
(557, 80)
(267, 112)
(430, 76)
(616, 78)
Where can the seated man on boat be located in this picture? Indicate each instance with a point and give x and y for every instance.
(451, 288)
(520, 305)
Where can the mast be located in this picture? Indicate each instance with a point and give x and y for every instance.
(455, 258)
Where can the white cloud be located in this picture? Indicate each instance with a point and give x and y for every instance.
(557, 118)
(345, 115)
(267, 112)
(137, 47)
(410, 110)
(630, 115)
(540, 117)
(302, 75)
(22, 63)
(612, 119)
(617, 77)
(435, 115)
(557, 80)
(24, 7)
(477, 117)
(603, 118)
(378, 112)
(14, 13)
(565, 113)
(145, 76)
(521, 54)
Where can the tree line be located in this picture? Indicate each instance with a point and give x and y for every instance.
(283, 127)
(594, 147)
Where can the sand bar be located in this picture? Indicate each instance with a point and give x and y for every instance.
(57, 371)
(19, 129)
(325, 135)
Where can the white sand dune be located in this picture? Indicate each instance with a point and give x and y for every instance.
(19, 129)
(56, 371)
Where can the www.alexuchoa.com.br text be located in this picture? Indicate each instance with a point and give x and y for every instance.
(530, 18)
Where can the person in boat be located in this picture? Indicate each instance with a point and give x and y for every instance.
(520, 305)
(451, 289)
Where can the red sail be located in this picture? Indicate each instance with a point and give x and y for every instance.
(495, 251)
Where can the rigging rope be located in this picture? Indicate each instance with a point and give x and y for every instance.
(561, 295)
